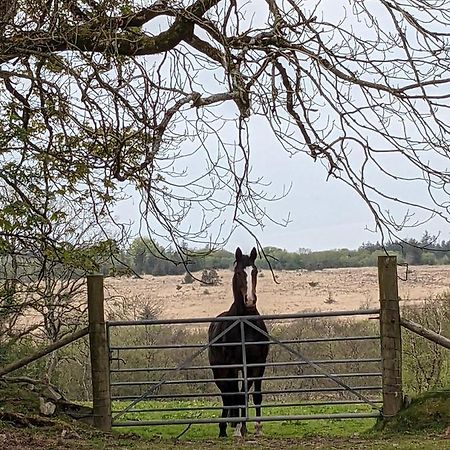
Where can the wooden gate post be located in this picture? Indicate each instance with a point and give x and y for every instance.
(390, 331)
(98, 344)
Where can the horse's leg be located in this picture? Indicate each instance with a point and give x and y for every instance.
(224, 387)
(257, 399)
(225, 414)
(243, 397)
(235, 401)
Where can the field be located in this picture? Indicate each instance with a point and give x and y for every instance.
(294, 291)
(168, 297)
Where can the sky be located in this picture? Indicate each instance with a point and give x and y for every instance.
(324, 213)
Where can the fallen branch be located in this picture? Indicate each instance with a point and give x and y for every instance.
(27, 380)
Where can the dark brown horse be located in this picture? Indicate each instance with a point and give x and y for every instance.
(244, 304)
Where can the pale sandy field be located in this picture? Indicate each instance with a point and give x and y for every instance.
(296, 291)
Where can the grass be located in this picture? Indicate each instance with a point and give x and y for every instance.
(428, 412)
(285, 428)
(344, 434)
(419, 427)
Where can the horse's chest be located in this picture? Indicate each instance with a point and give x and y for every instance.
(253, 352)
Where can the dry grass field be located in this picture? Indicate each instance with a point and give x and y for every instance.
(295, 291)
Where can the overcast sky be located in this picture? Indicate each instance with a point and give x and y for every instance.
(324, 214)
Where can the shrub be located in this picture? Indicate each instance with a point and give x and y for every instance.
(426, 365)
(210, 277)
(188, 278)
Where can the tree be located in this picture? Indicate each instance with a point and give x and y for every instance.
(44, 259)
(99, 95)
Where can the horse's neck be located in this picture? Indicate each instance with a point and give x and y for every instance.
(238, 307)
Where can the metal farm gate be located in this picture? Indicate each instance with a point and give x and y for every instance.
(159, 370)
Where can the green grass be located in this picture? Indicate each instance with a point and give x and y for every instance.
(427, 412)
(419, 427)
(284, 428)
(339, 434)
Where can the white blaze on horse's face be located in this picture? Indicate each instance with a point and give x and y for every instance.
(250, 297)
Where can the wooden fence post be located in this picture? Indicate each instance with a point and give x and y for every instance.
(99, 354)
(390, 331)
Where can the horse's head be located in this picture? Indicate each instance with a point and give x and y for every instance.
(245, 276)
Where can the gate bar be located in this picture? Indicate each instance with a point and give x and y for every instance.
(134, 423)
(282, 391)
(238, 366)
(311, 376)
(244, 370)
(266, 405)
(358, 312)
(236, 344)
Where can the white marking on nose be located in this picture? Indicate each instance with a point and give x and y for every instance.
(250, 293)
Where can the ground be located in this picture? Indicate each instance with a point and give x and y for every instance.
(296, 291)
(26, 439)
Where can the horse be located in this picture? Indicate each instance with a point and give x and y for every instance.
(244, 304)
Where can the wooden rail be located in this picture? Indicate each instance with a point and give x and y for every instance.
(45, 351)
(428, 334)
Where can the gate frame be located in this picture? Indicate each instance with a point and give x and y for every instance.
(238, 321)
(390, 340)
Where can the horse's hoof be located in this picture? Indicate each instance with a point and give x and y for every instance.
(222, 435)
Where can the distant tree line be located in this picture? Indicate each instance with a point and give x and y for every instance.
(147, 257)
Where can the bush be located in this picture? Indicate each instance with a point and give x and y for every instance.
(210, 277)
(426, 365)
(188, 278)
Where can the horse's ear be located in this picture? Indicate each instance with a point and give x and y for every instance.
(238, 254)
(253, 254)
